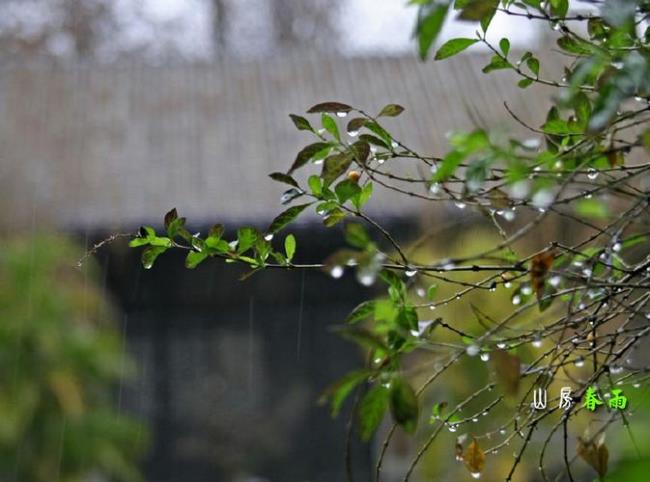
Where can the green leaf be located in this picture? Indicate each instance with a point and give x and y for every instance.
(361, 336)
(573, 46)
(448, 166)
(339, 391)
(504, 45)
(330, 126)
(331, 107)
(523, 83)
(150, 254)
(286, 217)
(284, 178)
(290, 246)
(335, 166)
(361, 150)
(361, 312)
(307, 153)
(431, 18)
(391, 110)
(591, 208)
(476, 10)
(346, 190)
(533, 65)
(453, 47)
(356, 235)
(496, 63)
(559, 8)
(194, 258)
(371, 410)
(246, 238)
(334, 217)
(315, 184)
(301, 123)
(364, 197)
(404, 404)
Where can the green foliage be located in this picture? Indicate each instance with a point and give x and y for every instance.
(61, 361)
(579, 165)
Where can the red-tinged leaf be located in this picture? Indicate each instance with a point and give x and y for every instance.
(539, 268)
(331, 107)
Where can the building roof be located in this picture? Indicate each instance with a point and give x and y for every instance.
(117, 146)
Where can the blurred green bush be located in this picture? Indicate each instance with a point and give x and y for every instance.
(61, 360)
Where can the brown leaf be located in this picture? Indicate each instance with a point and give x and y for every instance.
(474, 458)
(595, 454)
(507, 368)
(539, 268)
(615, 158)
(331, 107)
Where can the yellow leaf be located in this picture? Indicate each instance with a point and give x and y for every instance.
(474, 458)
(595, 454)
(68, 393)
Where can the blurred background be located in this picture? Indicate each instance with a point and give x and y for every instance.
(114, 111)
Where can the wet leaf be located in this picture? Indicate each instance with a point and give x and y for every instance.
(539, 268)
(335, 166)
(474, 458)
(285, 178)
(194, 258)
(371, 410)
(356, 235)
(361, 151)
(331, 107)
(339, 390)
(356, 124)
(361, 336)
(362, 311)
(290, 246)
(307, 153)
(170, 216)
(404, 404)
(391, 110)
(150, 254)
(453, 47)
(286, 217)
(507, 368)
(431, 18)
(301, 123)
(595, 453)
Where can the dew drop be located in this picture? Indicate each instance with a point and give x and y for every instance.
(592, 173)
(485, 356)
(476, 475)
(475, 419)
(502, 431)
(353, 133)
(420, 292)
(341, 114)
(501, 345)
(336, 271)
(637, 385)
(516, 300)
(616, 369)
(473, 350)
(434, 188)
(554, 281)
(507, 284)
(509, 215)
(460, 204)
(268, 237)
(617, 247)
(527, 290)
(537, 342)
(453, 427)
(411, 272)
(366, 279)
(579, 362)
